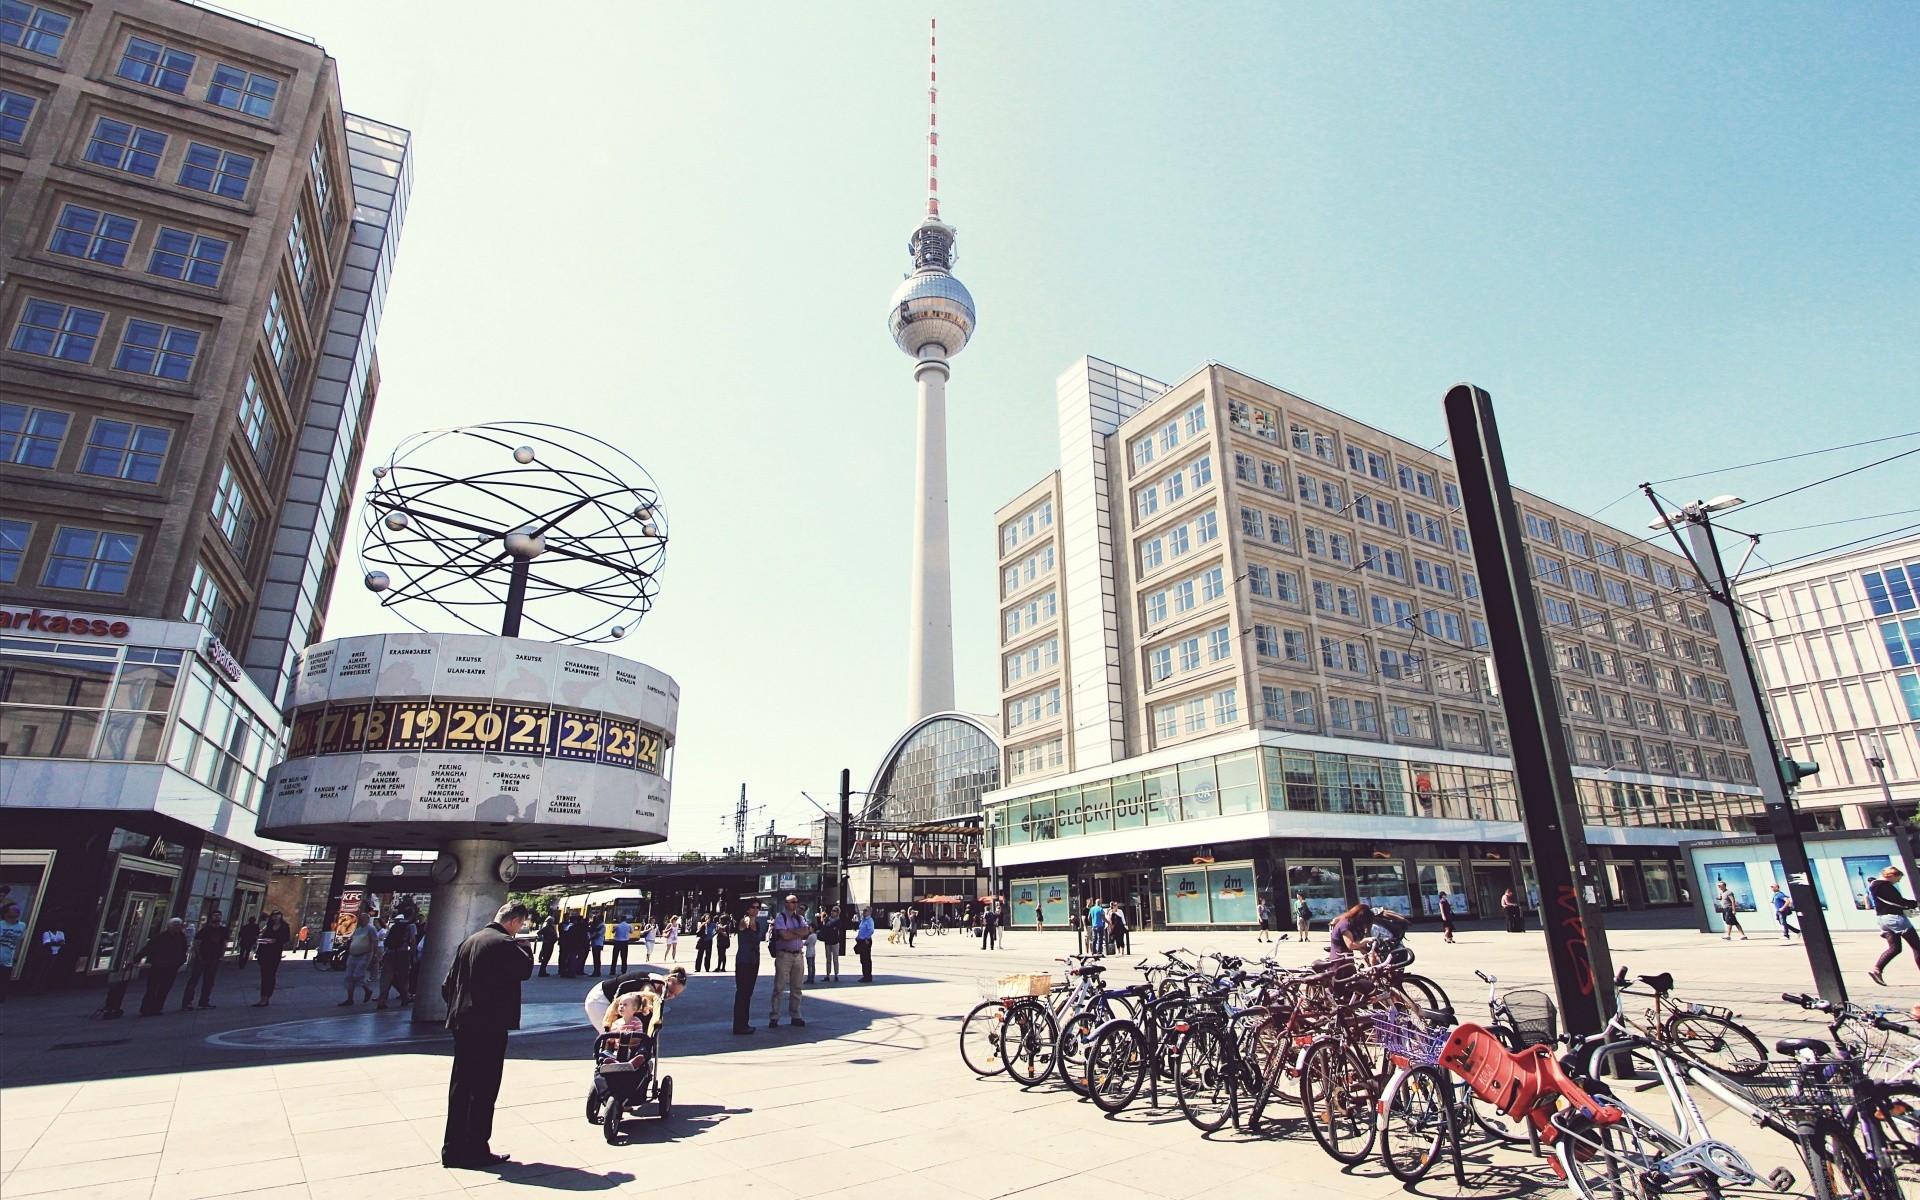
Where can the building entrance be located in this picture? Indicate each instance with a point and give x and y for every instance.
(1490, 882)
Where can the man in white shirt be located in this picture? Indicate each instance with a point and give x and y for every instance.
(622, 934)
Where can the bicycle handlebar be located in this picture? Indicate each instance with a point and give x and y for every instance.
(1486, 978)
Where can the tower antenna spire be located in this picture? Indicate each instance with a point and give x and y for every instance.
(933, 117)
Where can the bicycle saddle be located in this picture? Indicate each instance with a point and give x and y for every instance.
(1661, 983)
(1792, 1046)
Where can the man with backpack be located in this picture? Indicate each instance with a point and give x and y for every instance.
(396, 965)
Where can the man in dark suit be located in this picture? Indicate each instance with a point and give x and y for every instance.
(482, 992)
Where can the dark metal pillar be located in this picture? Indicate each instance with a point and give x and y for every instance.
(1576, 934)
(846, 840)
(516, 596)
(336, 887)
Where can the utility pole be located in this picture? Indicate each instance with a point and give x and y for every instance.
(846, 840)
(1896, 828)
(1757, 725)
(740, 824)
(1576, 934)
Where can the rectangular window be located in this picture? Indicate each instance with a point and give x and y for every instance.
(1273, 476)
(1226, 706)
(1219, 644)
(1182, 596)
(1330, 496)
(1243, 468)
(31, 437)
(206, 604)
(231, 511)
(1451, 494)
(58, 330)
(211, 169)
(1213, 584)
(1146, 501)
(1293, 644)
(1286, 587)
(125, 147)
(1206, 528)
(1194, 715)
(1540, 529)
(1309, 487)
(1142, 452)
(1253, 523)
(123, 450)
(156, 66)
(163, 351)
(274, 326)
(1166, 721)
(188, 257)
(97, 236)
(1616, 591)
(1156, 608)
(13, 547)
(1547, 569)
(1176, 485)
(1280, 530)
(1260, 580)
(1266, 641)
(1603, 553)
(1460, 542)
(90, 560)
(1469, 585)
(1196, 419)
(1160, 664)
(1574, 541)
(16, 110)
(32, 28)
(1200, 474)
(1558, 611)
(1340, 548)
(1637, 565)
(1177, 542)
(1586, 581)
(1479, 631)
(242, 91)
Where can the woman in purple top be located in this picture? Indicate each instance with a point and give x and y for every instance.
(1348, 933)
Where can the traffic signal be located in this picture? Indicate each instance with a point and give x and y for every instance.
(1793, 772)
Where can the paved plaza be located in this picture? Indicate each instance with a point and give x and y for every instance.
(308, 1100)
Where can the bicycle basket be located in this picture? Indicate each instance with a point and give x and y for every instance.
(1399, 1036)
(1533, 1015)
(1796, 1087)
(1011, 986)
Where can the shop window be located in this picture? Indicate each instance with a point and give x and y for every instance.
(1320, 880)
(1382, 884)
(1443, 878)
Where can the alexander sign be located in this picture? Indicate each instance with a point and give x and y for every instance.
(881, 844)
(73, 624)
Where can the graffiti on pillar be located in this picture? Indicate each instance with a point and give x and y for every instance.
(1572, 932)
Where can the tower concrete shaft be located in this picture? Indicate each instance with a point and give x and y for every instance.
(930, 641)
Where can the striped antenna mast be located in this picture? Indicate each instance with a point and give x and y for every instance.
(933, 118)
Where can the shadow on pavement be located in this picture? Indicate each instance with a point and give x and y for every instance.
(51, 1037)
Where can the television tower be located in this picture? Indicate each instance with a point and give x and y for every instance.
(931, 319)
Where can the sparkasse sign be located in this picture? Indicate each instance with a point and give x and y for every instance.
(78, 624)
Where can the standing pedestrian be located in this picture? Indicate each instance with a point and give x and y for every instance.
(1118, 934)
(596, 939)
(164, 953)
(1516, 915)
(549, 937)
(816, 921)
(863, 945)
(746, 967)
(913, 924)
(1895, 926)
(788, 940)
(990, 928)
(305, 944)
(647, 935)
(722, 938)
(1783, 912)
(1446, 916)
(209, 947)
(360, 952)
(703, 945)
(1302, 915)
(275, 938)
(482, 991)
(1097, 922)
(13, 938)
(1728, 905)
(1039, 919)
(622, 935)
(672, 937)
(834, 935)
(1266, 922)
(396, 961)
(248, 935)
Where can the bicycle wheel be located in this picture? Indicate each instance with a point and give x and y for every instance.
(1413, 1123)
(1617, 1161)
(1727, 1046)
(1337, 1090)
(1029, 1041)
(1494, 1124)
(1116, 1065)
(1425, 991)
(1076, 1034)
(1896, 1109)
(980, 1038)
(1836, 1170)
(1204, 1081)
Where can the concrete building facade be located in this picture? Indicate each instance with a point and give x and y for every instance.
(1837, 643)
(195, 240)
(1229, 582)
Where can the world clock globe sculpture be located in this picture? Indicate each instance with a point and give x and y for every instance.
(475, 743)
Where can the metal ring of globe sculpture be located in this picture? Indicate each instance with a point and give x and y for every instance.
(547, 524)
(479, 743)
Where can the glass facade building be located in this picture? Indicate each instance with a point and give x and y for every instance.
(936, 772)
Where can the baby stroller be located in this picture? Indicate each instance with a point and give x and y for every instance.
(626, 1075)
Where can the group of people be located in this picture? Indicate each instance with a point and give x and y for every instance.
(386, 953)
(793, 937)
(580, 936)
(201, 950)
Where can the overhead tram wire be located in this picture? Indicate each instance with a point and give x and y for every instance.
(1879, 462)
(1764, 462)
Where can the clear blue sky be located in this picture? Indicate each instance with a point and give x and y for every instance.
(1664, 237)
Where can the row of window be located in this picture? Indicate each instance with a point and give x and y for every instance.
(79, 560)
(108, 239)
(73, 333)
(1196, 714)
(1175, 487)
(1031, 614)
(1189, 654)
(1038, 756)
(31, 437)
(137, 150)
(1188, 425)
(171, 70)
(1627, 753)
(1022, 664)
(1028, 710)
(1180, 598)
(1020, 574)
(1201, 530)
(1027, 525)
(1891, 588)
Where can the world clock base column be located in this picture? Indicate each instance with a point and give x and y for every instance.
(464, 901)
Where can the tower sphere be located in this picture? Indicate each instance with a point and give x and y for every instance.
(932, 307)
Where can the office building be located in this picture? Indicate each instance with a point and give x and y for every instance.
(1243, 656)
(196, 240)
(1837, 644)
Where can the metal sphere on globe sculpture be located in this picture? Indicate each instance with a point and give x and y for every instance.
(552, 527)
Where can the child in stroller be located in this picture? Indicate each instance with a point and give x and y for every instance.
(626, 1052)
